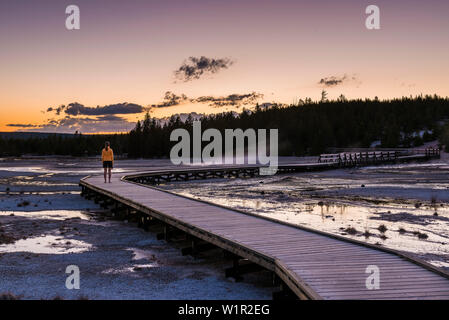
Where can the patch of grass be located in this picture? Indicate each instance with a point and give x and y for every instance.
(382, 228)
(422, 236)
(5, 239)
(367, 234)
(351, 230)
(418, 205)
(402, 230)
(23, 204)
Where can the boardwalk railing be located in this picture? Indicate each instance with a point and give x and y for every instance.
(373, 157)
(325, 162)
(428, 152)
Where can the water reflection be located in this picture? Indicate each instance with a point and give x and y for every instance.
(49, 214)
(47, 244)
(416, 226)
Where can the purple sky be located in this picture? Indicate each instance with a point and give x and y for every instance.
(128, 51)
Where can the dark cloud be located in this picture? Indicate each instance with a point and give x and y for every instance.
(19, 125)
(56, 110)
(334, 81)
(170, 100)
(195, 67)
(69, 124)
(110, 117)
(230, 100)
(75, 109)
(77, 117)
(182, 116)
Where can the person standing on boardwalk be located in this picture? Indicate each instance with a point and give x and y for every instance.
(107, 156)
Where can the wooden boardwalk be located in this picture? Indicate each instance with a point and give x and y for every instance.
(313, 264)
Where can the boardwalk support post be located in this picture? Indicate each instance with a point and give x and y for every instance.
(197, 247)
(234, 270)
(284, 294)
(241, 267)
(168, 233)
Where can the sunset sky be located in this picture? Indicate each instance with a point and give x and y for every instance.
(126, 54)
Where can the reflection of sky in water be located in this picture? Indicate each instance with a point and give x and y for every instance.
(48, 214)
(138, 255)
(47, 245)
(133, 269)
(39, 183)
(435, 164)
(77, 171)
(335, 218)
(41, 193)
(292, 199)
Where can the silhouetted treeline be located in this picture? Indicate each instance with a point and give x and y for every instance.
(309, 129)
(55, 144)
(304, 129)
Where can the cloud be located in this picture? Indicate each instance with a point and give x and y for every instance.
(170, 100)
(230, 100)
(77, 117)
(333, 81)
(195, 67)
(69, 124)
(75, 109)
(56, 110)
(19, 125)
(182, 116)
(109, 118)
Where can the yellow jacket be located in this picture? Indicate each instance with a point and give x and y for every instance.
(107, 155)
